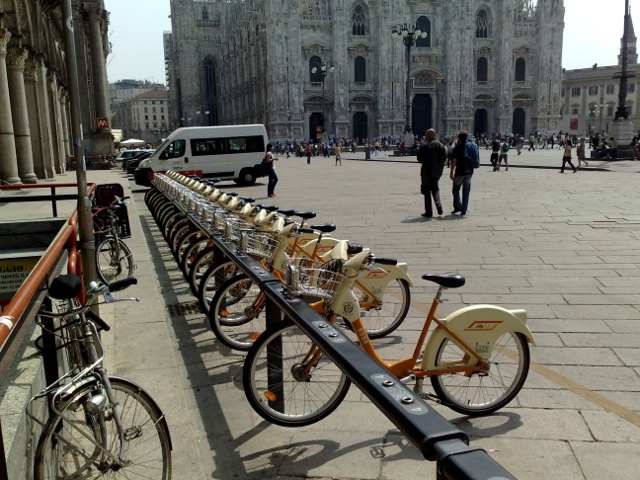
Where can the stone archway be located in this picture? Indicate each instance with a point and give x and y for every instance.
(360, 126)
(481, 122)
(519, 121)
(316, 126)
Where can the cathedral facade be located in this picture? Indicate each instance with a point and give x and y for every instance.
(485, 66)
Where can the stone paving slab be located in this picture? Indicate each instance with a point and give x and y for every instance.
(517, 236)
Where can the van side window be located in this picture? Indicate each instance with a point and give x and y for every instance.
(245, 144)
(176, 149)
(207, 146)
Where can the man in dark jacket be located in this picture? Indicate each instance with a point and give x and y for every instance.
(432, 156)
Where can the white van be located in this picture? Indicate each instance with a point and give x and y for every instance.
(231, 151)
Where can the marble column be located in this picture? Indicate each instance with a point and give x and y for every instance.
(59, 160)
(9, 158)
(16, 58)
(35, 123)
(44, 117)
(64, 119)
(98, 63)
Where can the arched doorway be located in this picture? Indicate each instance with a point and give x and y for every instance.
(481, 122)
(360, 126)
(421, 119)
(519, 119)
(316, 126)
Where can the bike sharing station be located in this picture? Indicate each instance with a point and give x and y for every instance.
(435, 437)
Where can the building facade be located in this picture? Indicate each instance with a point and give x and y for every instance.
(590, 95)
(35, 127)
(145, 116)
(124, 90)
(485, 66)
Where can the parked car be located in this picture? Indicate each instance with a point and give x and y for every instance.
(138, 154)
(133, 163)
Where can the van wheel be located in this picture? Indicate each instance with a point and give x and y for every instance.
(247, 177)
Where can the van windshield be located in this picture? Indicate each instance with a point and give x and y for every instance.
(162, 145)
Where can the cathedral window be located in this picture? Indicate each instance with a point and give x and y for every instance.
(521, 70)
(483, 24)
(482, 70)
(359, 21)
(205, 14)
(315, 62)
(424, 24)
(360, 69)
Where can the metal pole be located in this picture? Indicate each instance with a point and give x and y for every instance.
(601, 108)
(85, 221)
(407, 127)
(324, 106)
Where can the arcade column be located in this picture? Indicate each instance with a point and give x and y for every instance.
(9, 163)
(16, 58)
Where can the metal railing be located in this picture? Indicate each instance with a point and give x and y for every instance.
(431, 433)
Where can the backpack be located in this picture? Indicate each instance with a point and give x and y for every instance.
(505, 147)
(472, 157)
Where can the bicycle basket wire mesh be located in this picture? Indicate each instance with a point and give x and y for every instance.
(234, 228)
(259, 244)
(317, 279)
(220, 221)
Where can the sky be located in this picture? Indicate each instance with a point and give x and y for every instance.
(592, 35)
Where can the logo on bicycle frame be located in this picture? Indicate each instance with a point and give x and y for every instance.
(348, 308)
(482, 326)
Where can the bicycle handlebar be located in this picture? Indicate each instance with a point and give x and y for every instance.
(386, 261)
(97, 320)
(122, 284)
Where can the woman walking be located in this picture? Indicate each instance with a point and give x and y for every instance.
(271, 168)
(567, 157)
(581, 153)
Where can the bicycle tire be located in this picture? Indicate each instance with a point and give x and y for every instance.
(208, 285)
(191, 252)
(472, 395)
(198, 267)
(236, 314)
(172, 226)
(111, 269)
(305, 400)
(183, 244)
(393, 309)
(63, 452)
(178, 234)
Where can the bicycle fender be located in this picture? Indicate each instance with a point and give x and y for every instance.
(346, 304)
(479, 326)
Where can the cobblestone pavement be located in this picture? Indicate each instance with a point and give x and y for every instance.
(563, 247)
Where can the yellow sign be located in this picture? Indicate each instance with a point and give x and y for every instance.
(13, 273)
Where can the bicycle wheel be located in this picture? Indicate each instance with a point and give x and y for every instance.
(486, 392)
(65, 452)
(390, 311)
(236, 314)
(288, 381)
(114, 260)
(190, 253)
(198, 267)
(177, 235)
(213, 278)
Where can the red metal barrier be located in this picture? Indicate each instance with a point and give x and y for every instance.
(66, 239)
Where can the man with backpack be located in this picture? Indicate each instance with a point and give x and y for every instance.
(504, 154)
(465, 158)
(495, 153)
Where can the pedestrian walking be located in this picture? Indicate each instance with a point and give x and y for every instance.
(431, 155)
(495, 153)
(581, 153)
(465, 158)
(566, 158)
(268, 165)
(504, 154)
(308, 151)
(338, 152)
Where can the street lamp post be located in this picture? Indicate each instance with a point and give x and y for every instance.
(323, 69)
(409, 35)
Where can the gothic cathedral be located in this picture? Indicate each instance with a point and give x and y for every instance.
(304, 67)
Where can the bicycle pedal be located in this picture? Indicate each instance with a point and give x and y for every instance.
(433, 397)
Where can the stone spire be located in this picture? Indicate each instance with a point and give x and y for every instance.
(632, 53)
